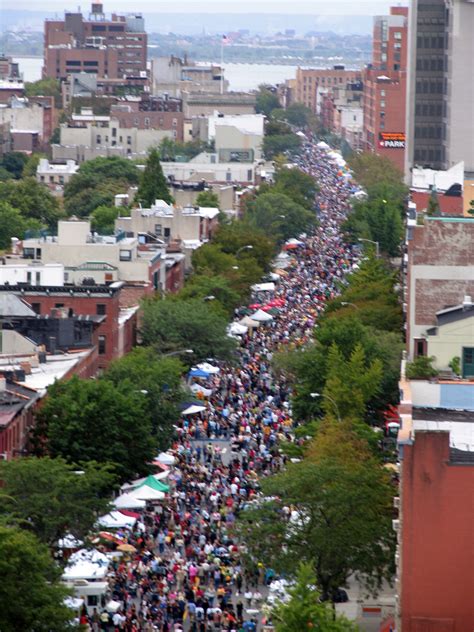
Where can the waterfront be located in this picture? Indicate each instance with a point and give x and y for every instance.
(242, 77)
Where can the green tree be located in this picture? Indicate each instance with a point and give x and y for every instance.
(341, 521)
(280, 216)
(95, 420)
(31, 592)
(350, 384)
(278, 144)
(203, 287)
(13, 162)
(208, 198)
(48, 87)
(33, 200)
(266, 100)
(304, 610)
(370, 170)
(110, 168)
(421, 368)
(103, 219)
(297, 185)
(153, 184)
(52, 498)
(161, 379)
(234, 236)
(12, 224)
(298, 114)
(171, 325)
(29, 169)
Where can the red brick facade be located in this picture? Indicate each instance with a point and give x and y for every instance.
(437, 545)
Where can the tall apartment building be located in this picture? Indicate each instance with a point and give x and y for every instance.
(440, 89)
(308, 80)
(385, 87)
(113, 48)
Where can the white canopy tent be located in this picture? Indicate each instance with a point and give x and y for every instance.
(126, 501)
(197, 388)
(147, 493)
(323, 145)
(263, 287)
(165, 458)
(116, 520)
(208, 368)
(236, 329)
(249, 322)
(261, 316)
(190, 410)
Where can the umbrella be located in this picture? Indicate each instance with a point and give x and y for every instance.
(255, 305)
(126, 548)
(261, 316)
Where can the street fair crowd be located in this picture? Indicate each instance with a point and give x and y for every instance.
(181, 566)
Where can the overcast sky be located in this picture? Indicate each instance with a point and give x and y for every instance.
(321, 7)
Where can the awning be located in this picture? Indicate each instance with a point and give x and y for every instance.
(236, 329)
(116, 520)
(166, 459)
(197, 389)
(147, 493)
(249, 322)
(198, 373)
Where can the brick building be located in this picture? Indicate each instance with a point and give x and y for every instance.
(308, 80)
(115, 332)
(435, 552)
(440, 264)
(114, 47)
(385, 87)
(129, 117)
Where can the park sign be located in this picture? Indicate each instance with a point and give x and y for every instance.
(392, 140)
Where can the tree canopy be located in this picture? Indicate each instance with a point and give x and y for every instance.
(280, 216)
(267, 100)
(170, 325)
(297, 185)
(32, 200)
(208, 198)
(48, 87)
(340, 523)
(52, 498)
(96, 420)
(153, 184)
(303, 609)
(160, 377)
(14, 162)
(103, 219)
(31, 592)
(13, 224)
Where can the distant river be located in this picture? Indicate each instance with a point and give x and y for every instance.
(241, 77)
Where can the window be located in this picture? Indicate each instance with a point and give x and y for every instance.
(147, 122)
(38, 278)
(29, 277)
(382, 93)
(158, 230)
(397, 35)
(101, 309)
(129, 140)
(382, 104)
(98, 139)
(420, 347)
(58, 305)
(125, 255)
(102, 346)
(36, 307)
(28, 253)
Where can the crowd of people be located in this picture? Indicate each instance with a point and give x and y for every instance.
(187, 572)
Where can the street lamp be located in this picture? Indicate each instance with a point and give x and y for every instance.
(345, 304)
(247, 247)
(333, 401)
(371, 241)
(173, 353)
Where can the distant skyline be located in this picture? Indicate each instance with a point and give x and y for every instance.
(316, 7)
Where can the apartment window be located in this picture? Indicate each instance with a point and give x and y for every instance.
(98, 139)
(397, 35)
(29, 276)
(167, 233)
(158, 230)
(382, 93)
(36, 307)
(129, 140)
(102, 346)
(147, 122)
(114, 132)
(382, 104)
(125, 255)
(101, 309)
(175, 122)
(38, 278)
(28, 253)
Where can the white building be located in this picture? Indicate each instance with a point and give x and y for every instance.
(86, 255)
(207, 167)
(14, 271)
(426, 179)
(55, 173)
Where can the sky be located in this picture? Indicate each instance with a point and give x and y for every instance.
(315, 7)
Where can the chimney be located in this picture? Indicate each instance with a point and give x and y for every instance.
(467, 302)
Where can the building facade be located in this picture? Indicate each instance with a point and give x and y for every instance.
(308, 80)
(110, 47)
(385, 87)
(440, 90)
